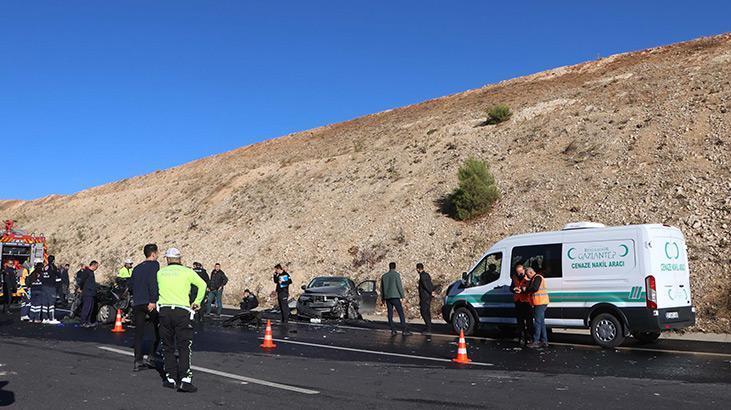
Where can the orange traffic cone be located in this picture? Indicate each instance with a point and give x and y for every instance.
(461, 350)
(118, 323)
(268, 342)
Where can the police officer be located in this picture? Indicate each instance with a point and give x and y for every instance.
(176, 316)
(282, 281)
(426, 293)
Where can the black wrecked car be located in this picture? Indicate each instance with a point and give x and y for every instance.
(336, 297)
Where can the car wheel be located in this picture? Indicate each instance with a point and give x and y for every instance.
(646, 337)
(353, 312)
(607, 330)
(463, 319)
(105, 314)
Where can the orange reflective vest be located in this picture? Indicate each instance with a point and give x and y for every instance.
(520, 283)
(541, 296)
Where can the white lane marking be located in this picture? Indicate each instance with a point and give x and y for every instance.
(350, 349)
(229, 375)
(579, 345)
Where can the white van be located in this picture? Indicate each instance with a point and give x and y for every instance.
(616, 281)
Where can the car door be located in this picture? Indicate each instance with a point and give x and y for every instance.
(368, 295)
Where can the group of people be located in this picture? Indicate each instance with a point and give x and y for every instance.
(392, 291)
(42, 287)
(530, 295)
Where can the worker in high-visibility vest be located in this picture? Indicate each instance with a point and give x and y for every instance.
(538, 292)
(523, 308)
(125, 272)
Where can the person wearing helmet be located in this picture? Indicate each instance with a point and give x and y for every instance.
(34, 284)
(176, 316)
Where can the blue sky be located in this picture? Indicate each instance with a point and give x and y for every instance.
(96, 91)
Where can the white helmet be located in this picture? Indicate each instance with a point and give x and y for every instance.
(172, 253)
(128, 261)
(38, 260)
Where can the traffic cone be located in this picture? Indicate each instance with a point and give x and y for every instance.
(461, 350)
(118, 323)
(268, 342)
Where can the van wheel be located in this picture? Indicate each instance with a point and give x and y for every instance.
(463, 319)
(646, 337)
(607, 330)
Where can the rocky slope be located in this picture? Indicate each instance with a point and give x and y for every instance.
(633, 138)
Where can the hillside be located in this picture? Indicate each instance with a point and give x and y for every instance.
(634, 138)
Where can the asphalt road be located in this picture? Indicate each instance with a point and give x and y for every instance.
(356, 365)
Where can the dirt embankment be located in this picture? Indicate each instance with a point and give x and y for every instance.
(634, 138)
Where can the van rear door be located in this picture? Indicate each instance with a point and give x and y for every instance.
(669, 266)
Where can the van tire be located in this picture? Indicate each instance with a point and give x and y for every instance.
(607, 330)
(646, 337)
(463, 319)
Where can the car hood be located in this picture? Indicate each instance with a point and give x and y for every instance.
(327, 290)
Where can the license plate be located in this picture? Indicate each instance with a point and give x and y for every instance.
(671, 315)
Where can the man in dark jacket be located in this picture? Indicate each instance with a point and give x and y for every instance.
(392, 291)
(88, 293)
(143, 285)
(426, 292)
(203, 274)
(64, 288)
(8, 284)
(282, 280)
(249, 302)
(51, 280)
(215, 289)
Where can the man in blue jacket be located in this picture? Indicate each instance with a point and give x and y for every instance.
(143, 285)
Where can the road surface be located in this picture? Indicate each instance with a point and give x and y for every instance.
(356, 365)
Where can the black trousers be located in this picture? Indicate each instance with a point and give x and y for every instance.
(176, 332)
(86, 308)
(7, 296)
(140, 312)
(283, 299)
(425, 309)
(524, 315)
(391, 304)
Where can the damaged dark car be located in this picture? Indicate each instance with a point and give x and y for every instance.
(336, 297)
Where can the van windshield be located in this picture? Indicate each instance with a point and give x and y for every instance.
(487, 271)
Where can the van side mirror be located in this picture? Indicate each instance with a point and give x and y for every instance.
(464, 278)
(303, 287)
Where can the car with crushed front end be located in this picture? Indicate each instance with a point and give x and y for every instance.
(336, 297)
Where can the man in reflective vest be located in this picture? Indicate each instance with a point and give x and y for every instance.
(523, 308)
(176, 317)
(538, 292)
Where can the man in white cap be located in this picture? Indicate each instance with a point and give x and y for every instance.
(125, 272)
(176, 317)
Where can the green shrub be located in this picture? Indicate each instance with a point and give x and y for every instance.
(497, 114)
(476, 193)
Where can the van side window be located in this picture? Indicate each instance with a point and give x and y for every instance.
(544, 259)
(488, 270)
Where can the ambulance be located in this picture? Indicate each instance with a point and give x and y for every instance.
(617, 282)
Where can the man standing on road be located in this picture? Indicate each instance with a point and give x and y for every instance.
(176, 316)
(538, 292)
(523, 310)
(88, 293)
(7, 277)
(282, 279)
(51, 281)
(215, 289)
(392, 291)
(201, 271)
(143, 285)
(64, 288)
(426, 293)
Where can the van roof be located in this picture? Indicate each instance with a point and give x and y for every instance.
(579, 230)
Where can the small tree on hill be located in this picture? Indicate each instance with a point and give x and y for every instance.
(477, 191)
(497, 114)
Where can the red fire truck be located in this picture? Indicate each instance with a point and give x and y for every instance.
(21, 249)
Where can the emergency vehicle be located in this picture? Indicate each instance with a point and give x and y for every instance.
(22, 249)
(616, 281)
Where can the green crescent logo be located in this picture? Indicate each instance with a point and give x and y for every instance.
(626, 250)
(677, 250)
(569, 253)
